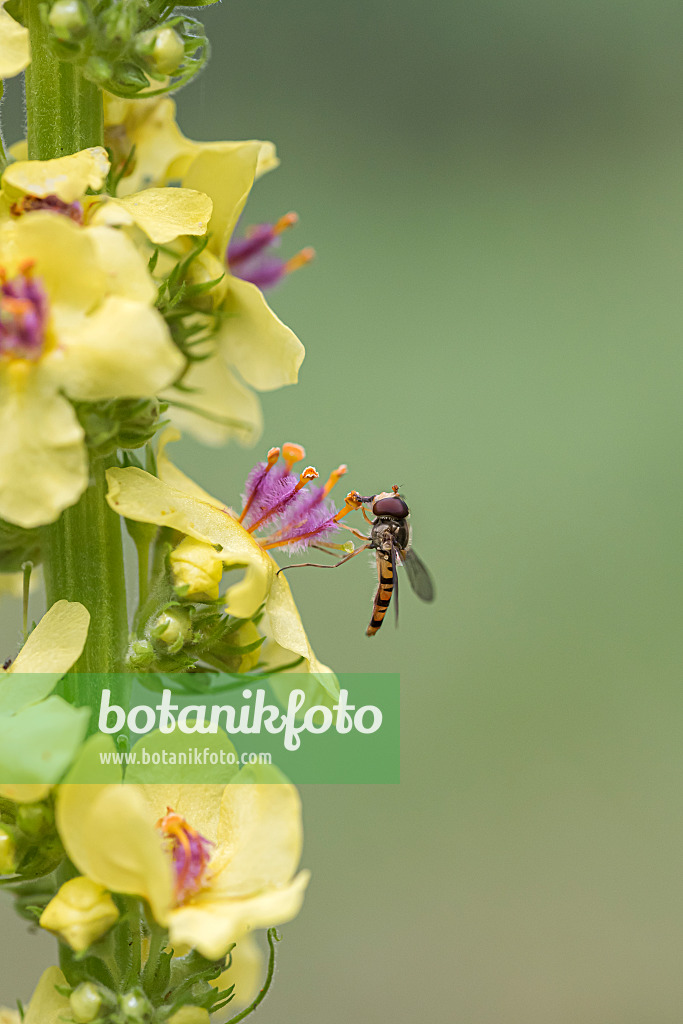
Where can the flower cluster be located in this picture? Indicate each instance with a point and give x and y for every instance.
(132, 297)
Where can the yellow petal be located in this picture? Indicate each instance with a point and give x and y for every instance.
(179, 167)
(56, 642)
(76, 282)
(15, 52)
(43, 460)
(108, 834)
(226, 175)
(198, 804)
(162, 213)
(143, 498)
(47, 1006)
(122, 350)
(124, 266)
(174, 477)
(233, 410)
(266, 353)
(211, 925)
(190, 1015)
(282, 623)
(8, 1016)
(260, 838)
(25, 792)
(68, 177)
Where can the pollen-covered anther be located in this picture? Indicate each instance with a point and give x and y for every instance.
(292, 453)
(287, 221)
(190, 851)
(352, 502)
(310, 473)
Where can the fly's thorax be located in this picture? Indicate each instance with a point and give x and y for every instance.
(388, 532)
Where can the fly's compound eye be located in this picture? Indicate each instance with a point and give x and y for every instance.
(393, 506)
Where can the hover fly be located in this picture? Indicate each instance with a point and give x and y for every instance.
(390, 540)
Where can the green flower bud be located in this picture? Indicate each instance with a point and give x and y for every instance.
(67, 19)
(173, 626)
(85, 1002)
(130, 77)
(135, 1005)
(141, 654)
(162, 47)
(98, 70)
(35, 819)
(8, 858)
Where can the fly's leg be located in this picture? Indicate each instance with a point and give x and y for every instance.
(355, 532)
(323, 565)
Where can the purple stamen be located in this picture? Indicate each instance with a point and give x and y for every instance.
(51, 204)
(24, 311)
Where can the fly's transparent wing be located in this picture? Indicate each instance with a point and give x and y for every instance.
(418, 575)
(394, 566)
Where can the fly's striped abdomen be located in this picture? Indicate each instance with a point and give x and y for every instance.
(385, 573)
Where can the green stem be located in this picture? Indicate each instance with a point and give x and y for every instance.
(63, 109)
(83, 560)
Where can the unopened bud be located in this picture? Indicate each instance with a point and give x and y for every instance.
(85, 1002)
(81, 912)
(8, 859)
(135, 1005)
(197, 568)
(173, 626)
(67, 19)
(162, 47)
(97, 70)
(130, 76)
(35, 819)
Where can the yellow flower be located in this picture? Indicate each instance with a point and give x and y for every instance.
(253, 348)
(50, 651)
(69, 329)
(214, 862)
(59, 186)
(147, 129)
(175, 501)
(15, 52)
(81, 913)
(8, 1016)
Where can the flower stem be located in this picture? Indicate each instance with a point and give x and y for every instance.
(83, 559)
(63, 109)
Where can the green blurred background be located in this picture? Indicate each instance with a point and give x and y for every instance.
(495, 191)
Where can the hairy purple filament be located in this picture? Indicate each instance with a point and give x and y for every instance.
(24, 312)
(51, 203)
(251, 258)
(191, 853)
(276, 497)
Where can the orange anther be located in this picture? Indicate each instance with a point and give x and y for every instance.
(273, 456)
(310, 473)
(26, 266)
(300, 259)
(333, 478)
(351, 503)
(288, 221)
(292, 453)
